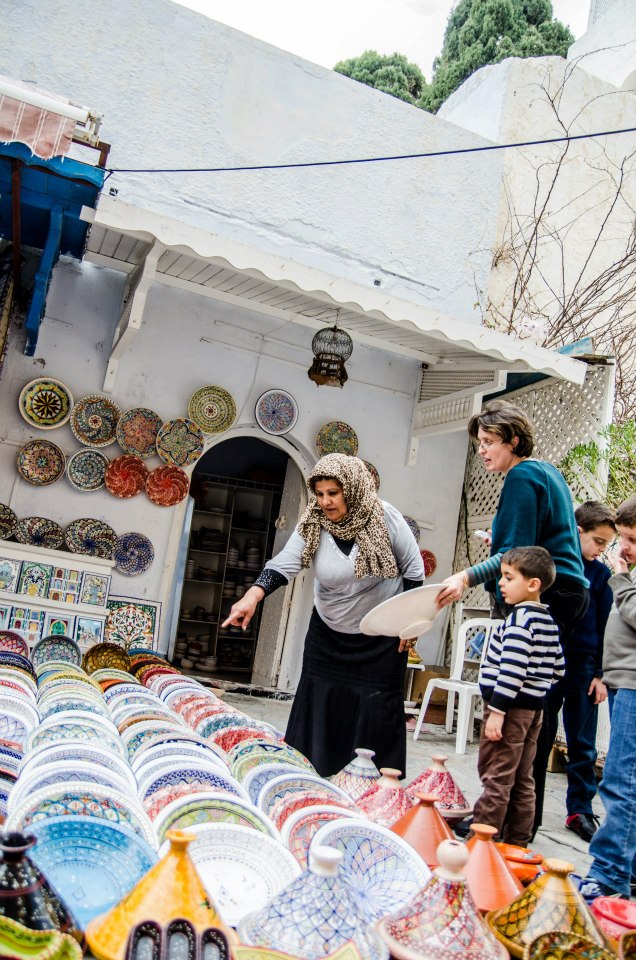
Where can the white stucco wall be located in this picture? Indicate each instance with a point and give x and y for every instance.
(177, 89)
(608, 48)
(173, 357)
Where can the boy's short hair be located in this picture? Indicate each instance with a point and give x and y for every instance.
(626, 512)
(532, 562)
(592, 514)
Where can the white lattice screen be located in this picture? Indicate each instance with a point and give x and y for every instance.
(563, 415)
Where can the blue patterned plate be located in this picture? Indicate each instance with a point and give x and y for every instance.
(211, 807)
(60, 728)
(81, 751)
(241, 868)
(91, 863)
(276, 412)
(36, 778)
(133, 554)
(214, 781)
(382, 869)
(56, 648)
(280, 786)
(86, 470)
(258, 776)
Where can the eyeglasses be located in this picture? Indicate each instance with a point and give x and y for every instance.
(486, 444)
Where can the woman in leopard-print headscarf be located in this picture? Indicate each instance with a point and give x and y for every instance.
(363, 552)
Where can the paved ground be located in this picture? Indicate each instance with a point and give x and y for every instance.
(553, 838)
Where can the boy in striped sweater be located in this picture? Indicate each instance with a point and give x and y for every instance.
(523, 660)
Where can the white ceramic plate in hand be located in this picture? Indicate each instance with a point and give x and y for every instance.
(407, 615)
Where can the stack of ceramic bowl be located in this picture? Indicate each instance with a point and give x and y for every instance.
(189, 569)
(252, 554)
(18, 708)
(233, 553)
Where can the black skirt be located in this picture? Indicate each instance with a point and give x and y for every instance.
(350, 694)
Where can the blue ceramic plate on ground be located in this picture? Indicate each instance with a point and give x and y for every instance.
(90, 862)
(382, 869)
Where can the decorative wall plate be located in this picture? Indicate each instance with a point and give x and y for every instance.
(133, 554)
(41, 462)
(91, 863)
(56, 648)
(213, 409)
(137, 431)
(381, 868)
(86, 470)
(167, 486)
(180, 442)
(276, 412)
(91, 537)
(414, 527)
(430, 562)
(8, 521)
(336, 437)
(105, 655)
(374, 473)
(240, 868)
(13, 642)
(39, 532)
(126, 476)
(94, 420)
(45, 403)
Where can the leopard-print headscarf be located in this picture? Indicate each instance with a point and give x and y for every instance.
(364, 521)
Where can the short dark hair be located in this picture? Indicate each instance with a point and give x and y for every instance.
(593, 514)
(626, 512)
(532, 562)
(505, 421)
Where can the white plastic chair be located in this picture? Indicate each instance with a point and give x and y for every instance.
(469, 648)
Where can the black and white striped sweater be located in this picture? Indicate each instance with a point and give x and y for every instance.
(523, 660)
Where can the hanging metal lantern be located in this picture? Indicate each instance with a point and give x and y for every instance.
(331, 347)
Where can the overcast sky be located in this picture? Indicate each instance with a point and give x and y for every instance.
(331, 30)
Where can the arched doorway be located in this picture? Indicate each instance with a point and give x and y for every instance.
(247, 495)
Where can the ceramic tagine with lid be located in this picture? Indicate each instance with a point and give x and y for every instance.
(359, 774)
(551, 902)
(25, 893)
(441, 920)
(436, 779)
(171, 889)
(314, 915)
(424, 828)
(490, 880)
(386, 800)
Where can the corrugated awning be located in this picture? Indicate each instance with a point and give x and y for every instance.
(122, 237)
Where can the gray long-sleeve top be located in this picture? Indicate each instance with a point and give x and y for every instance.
(619, 654)
(341, 599)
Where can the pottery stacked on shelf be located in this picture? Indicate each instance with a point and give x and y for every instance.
(358, 775)
(451, 802)
(442, 919)
(19, 714)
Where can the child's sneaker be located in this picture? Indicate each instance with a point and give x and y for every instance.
(583, 824)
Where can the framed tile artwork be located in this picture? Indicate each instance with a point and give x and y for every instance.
(65, 585)
(35, 579)
(95, 588)
(58, 624)
(5, 616)
(88, 631)
(28, 623)
(9, 574)
(133, 622)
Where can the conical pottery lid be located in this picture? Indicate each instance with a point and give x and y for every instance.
(423, 828)
(438, 780)
(490, 879)
(385, 801)
(441, 919)
(358, 775)
(551, 902)
(172, 888)
(25, 893)
(314, 915)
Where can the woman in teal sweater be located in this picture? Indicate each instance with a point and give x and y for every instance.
(535, 510)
